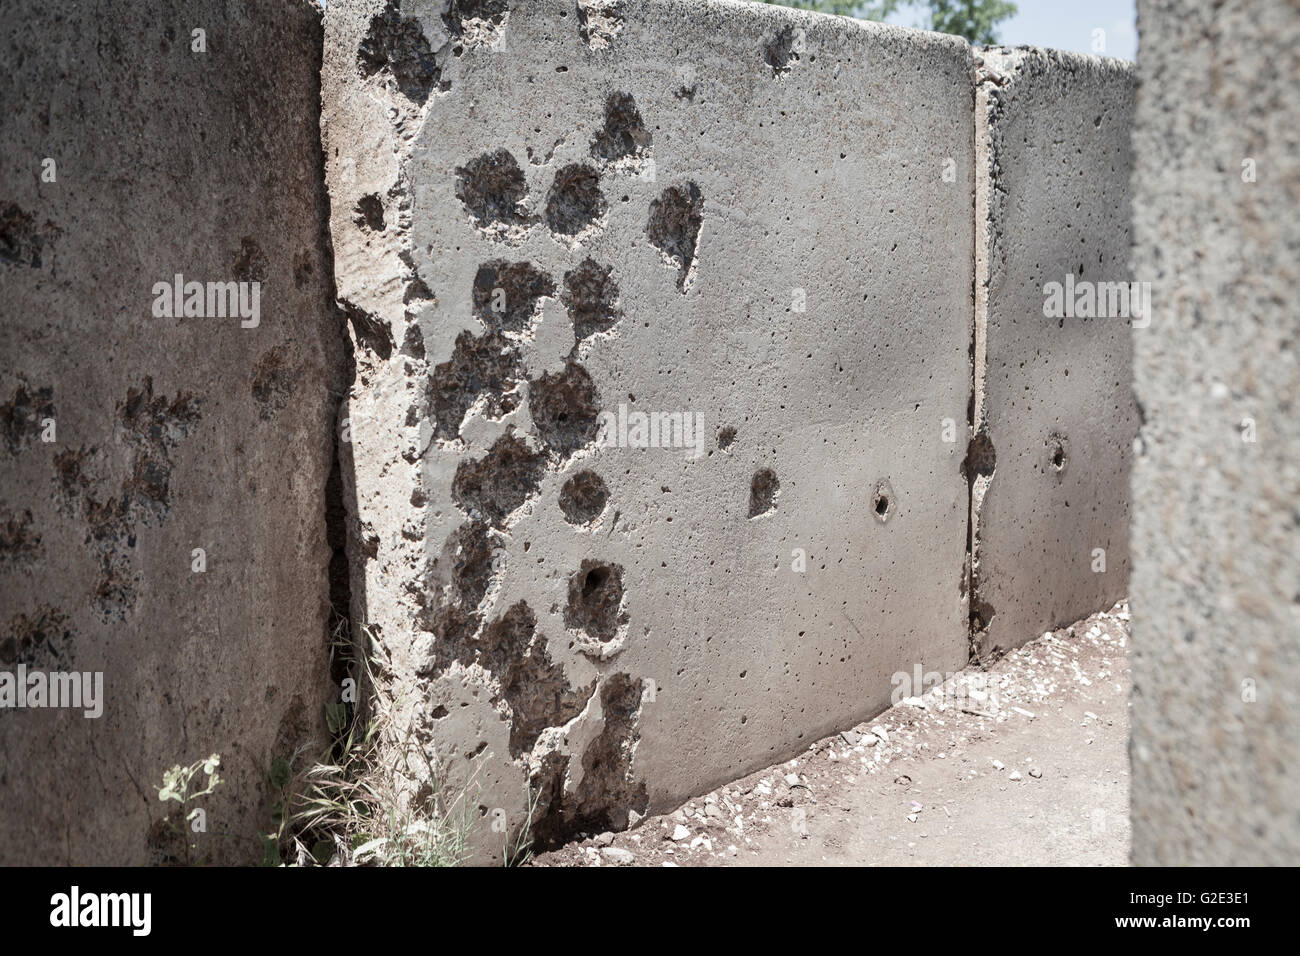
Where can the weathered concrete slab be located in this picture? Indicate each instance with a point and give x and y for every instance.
(131, 438)
(756, 218)
(1054, 416)
(1216, 569)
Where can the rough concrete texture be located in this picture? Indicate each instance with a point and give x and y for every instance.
(1054, 417)
(1216, 569)
(129, 439)
(1020, 762)
(543, 211)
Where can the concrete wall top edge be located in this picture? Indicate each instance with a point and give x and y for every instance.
(1026, 56)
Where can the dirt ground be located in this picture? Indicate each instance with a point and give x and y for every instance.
(1023, 763)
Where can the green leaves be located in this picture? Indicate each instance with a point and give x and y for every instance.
(976, 20)
(280, 774)
(845, 8)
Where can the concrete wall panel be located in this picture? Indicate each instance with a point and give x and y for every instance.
(168, 433)
(1054, 414)
(754, 216)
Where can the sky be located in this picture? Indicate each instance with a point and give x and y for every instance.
(1061, 25)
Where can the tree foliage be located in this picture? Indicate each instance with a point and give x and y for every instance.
(976, 20)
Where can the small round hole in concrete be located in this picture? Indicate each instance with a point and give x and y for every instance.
(762, 492)
(882, 501)
(583, 498)
(1058, 452)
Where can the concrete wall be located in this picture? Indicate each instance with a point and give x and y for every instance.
(1216, 571)
(731, 211)
(1054, 416)
(130, 439)
(547, 219)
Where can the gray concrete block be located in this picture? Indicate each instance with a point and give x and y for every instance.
(735, 212)
(131, 438)
(1216, 563)
(1054, 416)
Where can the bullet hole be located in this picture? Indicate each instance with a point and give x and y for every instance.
(606, 794)
(147, 487)
(981, 612)
(41, 641)
(575, 201)
(780, 50)
(1058, 452)
(70, 479)
(726, 437)
(532, 685)
(484, 367)
(416, 293)
(21, 416)
(154, 421)
(108, 521)
(599, 21)
(114, 592)
(564, 408)
(596, 601)
(396, 46)
(19, 541)
(369, 213)
(250, 263)
(21, 241)
(493, 189)
(624, 135)
(583, 498)
(981, 457)
(413, 342)
(763, 490)
(533, 693)
(882, 502)
(674, 227)
(273, 383)
(591, 296)
(468, 553)
(472, 18)
(303, 269)
(491, 487)
(152, 426)
(514, 288)
(372, 333)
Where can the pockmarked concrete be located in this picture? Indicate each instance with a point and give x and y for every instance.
(1056, 309)
(1216, 553)
(662, 315)
(173, 359)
